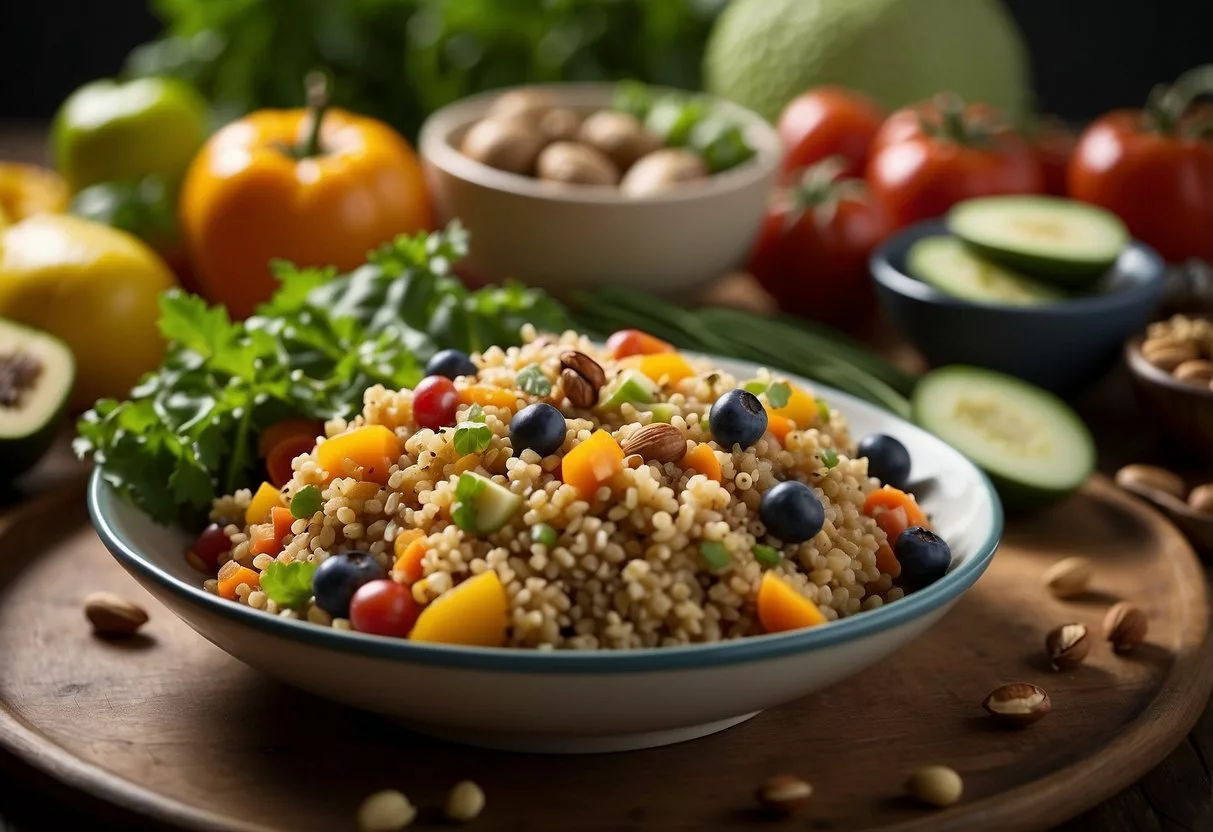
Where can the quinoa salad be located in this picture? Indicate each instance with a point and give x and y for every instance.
(568, 495)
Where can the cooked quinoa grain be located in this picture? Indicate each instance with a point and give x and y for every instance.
(619, 565)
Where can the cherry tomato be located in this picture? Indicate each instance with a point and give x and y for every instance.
(627, 342)
(385, 608)
(1054, 143)
(828, 121)
(209, 545)
(280, 430)
(278, 461)
(920, 174)
(1154, 169)
(812, 251)
(435, 401)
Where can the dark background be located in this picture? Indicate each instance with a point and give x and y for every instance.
(1088, 55)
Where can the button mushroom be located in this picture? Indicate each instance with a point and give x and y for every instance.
(509, 144)
(526, 102)
(660, 170)
(618, 135)
(559, 124)
(573, 163)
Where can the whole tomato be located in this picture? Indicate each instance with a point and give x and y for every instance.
(1154, 169)
(924, 119)
(920, 173)
(828, 121)
(812, 251)
(1054, 144)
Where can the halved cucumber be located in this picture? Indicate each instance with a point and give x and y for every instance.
(36, 375)
(1034, 448)
(1069, 243)
(948, 265)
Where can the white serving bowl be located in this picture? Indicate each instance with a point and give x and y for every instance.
(579, 701)
(568, 237)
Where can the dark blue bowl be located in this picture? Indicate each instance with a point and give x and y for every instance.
(1058, 346)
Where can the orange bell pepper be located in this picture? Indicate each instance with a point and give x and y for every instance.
(703, 459)
(781, 607)
(232, 575)
(317, 187)
(888, 498)
(374, 447)
(592, 463)
(487, 396)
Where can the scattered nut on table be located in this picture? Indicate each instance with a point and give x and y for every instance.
(1067, 646)
(935, 786)
(113, 615)
(1152, 477)
(385, 811)
(783, 794)
(1125, 626)
(1068, 577)
(464, 802)
(1201, 499)
(1018, 704)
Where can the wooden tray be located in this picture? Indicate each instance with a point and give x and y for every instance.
(171, 727)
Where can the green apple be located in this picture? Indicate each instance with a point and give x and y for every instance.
(109, 130)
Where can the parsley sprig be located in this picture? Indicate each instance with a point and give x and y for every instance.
(472, 435)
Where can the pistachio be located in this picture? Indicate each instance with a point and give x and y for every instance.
(1068, 577)
(620, 136)
(1201, 499)
(385, 811)
(112, 615)
(559, 124)
(1125, 626)
(1018, 704)
(580, 393)
(935, 786)
(1197, 371)
(1137, 477)
(464, 802)
(575, 164)
(783, 794)
(657, 442)
(1067, 646)
(584, 366)
(508, 144)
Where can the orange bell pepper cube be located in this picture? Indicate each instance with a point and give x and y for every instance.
(592, 463)
(232, 575)
(779, 426)
(888, 498)
(702, 459)
(886, 561)
(375, 448)
(664, 368)
(488, 396)
(266, 497)
(781, 607)
(800, 408)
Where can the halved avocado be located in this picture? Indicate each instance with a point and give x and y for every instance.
(36, 375)
(948, 265)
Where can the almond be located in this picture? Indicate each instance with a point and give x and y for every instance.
(113, 615)
(1125, 626)
(657, 442)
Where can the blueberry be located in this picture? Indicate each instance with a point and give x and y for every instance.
(888, 459)
(539, 427)
(737, 418)
(792, 512)
(338, 578)
(450, 363)
(923, 555)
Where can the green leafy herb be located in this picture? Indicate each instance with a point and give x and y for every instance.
(543, 533)
(778, 394)
(288, 585)
(463, 512)
(823, 410)
(714, 554)
(766, 555)
(720, 143)
(472, 435)
(756, 386)
(829, 457)
(306, 502)
(189, 431)
(532, 380)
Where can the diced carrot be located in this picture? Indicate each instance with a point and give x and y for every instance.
(278, 431)
(261, 539)
(781, 607)
(888, 497)
(278, 462)
(592, 463)
(403, 539)
(886, 560)
(664, 368)
(487, 396)
(266, 497)
(375, 448)
(408, 563)
(232, 575)
(628, 342)
(892, 521)
(779, 426)
(703, 459)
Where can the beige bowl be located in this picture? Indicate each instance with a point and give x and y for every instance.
(568, 237)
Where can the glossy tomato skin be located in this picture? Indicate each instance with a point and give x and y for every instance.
(923, 177)
(1160, 185)
(907, 123)
(828, 121)
(435, 402)
(385, 608)
(1054, 145)
(817, 266)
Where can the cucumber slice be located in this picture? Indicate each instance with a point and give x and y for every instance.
(492, 504)
(632, 386)
(1034, 448)
(36, 375)
(1069, 243)
(949, 266)
(662, 411)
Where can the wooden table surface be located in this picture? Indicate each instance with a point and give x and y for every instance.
(1177, 795)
